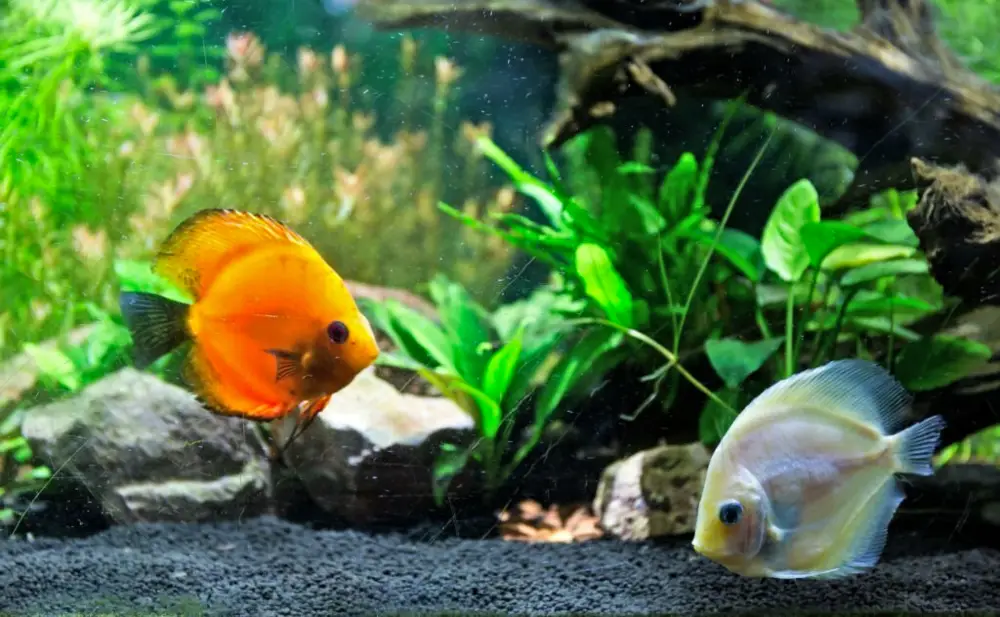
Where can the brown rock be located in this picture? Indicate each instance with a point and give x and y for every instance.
(652, 493)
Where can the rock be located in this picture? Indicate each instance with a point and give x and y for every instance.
(148, 451)
(368, 457)
(652, 493)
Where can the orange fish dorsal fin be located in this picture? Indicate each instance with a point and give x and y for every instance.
(197, 250)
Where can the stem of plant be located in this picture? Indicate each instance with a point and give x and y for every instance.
(721, 228)
(892, 330)
(671, 358)
(831, 339)
(789, 330)
(800, 329)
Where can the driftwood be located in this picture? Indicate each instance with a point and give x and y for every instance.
(889, 90)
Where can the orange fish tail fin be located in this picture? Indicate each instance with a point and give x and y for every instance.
(194, 253)
(158, 325)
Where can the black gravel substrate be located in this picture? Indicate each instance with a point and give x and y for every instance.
(265, 567)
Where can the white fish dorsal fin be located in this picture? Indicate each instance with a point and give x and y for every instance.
(855, 388)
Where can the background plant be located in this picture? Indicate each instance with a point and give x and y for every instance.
(306, 152)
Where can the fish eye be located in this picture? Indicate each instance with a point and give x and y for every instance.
(730, 512)
(337, 331)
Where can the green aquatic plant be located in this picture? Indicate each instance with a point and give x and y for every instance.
(644, 256)
(51, 53)
(490, 364)
(651, 263)
(187, 52)
(849, 287)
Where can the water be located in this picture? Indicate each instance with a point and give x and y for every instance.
(574, 289)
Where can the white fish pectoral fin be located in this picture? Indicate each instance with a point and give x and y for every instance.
(914, 446)
(852, 388)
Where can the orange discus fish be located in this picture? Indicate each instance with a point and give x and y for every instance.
(272, 325)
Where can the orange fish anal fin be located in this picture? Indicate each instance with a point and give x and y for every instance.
(197, 249)
(226, 399)
(289, 363)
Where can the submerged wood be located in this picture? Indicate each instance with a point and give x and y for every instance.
(888, 90)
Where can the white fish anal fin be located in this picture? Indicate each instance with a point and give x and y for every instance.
(853, 387)
(870, 528)
(914, 446)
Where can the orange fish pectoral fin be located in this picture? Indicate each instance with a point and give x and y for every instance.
(307, 415)
(289, 363)
(222, 399)
(197, 249)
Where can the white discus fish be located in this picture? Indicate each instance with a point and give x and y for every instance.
(803, 483)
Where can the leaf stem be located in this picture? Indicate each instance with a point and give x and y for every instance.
(789, 329)
(800, 329)
(719, 230)
(671, 358)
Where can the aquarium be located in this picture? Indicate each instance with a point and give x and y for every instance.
(480, 307)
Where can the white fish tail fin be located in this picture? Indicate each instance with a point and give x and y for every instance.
(855, 388)
(915, 446)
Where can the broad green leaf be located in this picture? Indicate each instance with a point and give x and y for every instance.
(448, 464)
(532, 366)
(9, 445)
(854, 324)
(538, 314)
(877, 270)
(648, 220)
(901, 307)
(490, 414)
(775, 295)
(740, 249)
(781, 243)
(822, 237)
(449, 385)
(715, 420)
(734, 360)
(893, 231)
(467, 326)
(603, 284)
(634, 167)
(935, 362)
(501, 367)
(677, 190)
(419, 337)
(571, 368)
(547, 200)
(54, 366)
(862, 254)
(139, 276)
(881, 325)
(395, 360)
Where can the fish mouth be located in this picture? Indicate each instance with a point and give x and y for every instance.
(698, 546)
